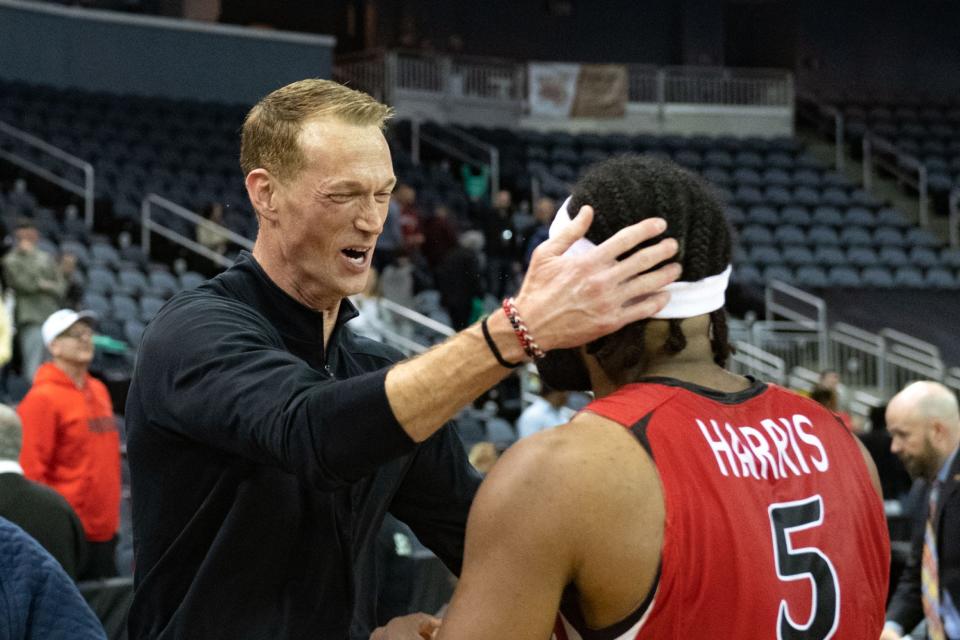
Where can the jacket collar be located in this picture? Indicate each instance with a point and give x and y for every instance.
(247, 280)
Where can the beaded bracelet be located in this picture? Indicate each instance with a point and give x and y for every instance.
(530, 346)
(493, 347)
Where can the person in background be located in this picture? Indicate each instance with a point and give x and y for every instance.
(411, 220)
(210, 237)
(673, 505)
(830, 379)
(38, 285)
(390, 243)
(543, 212)
(70, 438)
(40, 600)
(924, 422)
(39, 510)
(828, 397)
(439, 237)
(267, 441)
(546, 412)
(73, 292)
(460, 279)
(500, 243)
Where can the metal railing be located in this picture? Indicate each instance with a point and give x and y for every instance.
(383, 73)
(752, 360)
(805, 315)
(909, 359)
(455, 149)
(858, 356)
(149, 225)
(829, 122)
(906, 168)
(952, 379)
(798, 345)
(84, 188)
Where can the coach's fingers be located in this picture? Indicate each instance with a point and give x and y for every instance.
(569, 234)
(629, 237)
(643, 307)
(645, 259)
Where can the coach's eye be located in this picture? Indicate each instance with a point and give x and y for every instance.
(340, 198)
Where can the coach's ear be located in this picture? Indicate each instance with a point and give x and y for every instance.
(262, 191)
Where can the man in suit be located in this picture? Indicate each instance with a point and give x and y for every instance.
(38, 510)
(924, 423)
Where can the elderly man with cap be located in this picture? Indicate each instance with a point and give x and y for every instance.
(70, 439)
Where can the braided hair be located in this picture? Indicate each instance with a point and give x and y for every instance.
(630, 188)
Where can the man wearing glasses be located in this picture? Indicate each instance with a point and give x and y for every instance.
(70, 438)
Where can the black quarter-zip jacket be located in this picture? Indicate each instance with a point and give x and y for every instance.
(261, 469)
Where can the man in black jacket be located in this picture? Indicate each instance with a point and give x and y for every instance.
(40, 511)
(924, 422)
(267, 441)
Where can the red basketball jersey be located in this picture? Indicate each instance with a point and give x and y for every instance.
(773, 529)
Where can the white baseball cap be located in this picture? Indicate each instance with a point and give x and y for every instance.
(60, 321)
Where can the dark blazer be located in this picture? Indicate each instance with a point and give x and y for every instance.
(45, 515)
(905, 607)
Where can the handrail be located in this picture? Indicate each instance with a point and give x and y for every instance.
(817, 324)
(417, 317)
(489, 148)
(873, 142)
(829, 114)
(755, 357)
(915, 344)
(87, 190)
(147, 225)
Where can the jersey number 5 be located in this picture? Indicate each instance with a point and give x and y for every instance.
(805, 562)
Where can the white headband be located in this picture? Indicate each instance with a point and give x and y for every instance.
(687, 299)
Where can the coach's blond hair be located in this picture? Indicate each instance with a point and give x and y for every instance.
(271, 130)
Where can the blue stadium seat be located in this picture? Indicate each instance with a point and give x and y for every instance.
(132, 280)
(777, 196)
(123, 308)
(788, 234)
(830, 256)
(917, 237)
(923, 257)
(718, 175)
(938, 278)
(746, 196)
(891, 218)
(764, 255)
(762, 214)
(823, 235)
(191, 280)
(862, 257)
(859, 216)
(756, 235)
(950, 257)
(746, 176)
(888, 237)
(879, 277)
(778, 272)
(835, 197)
(718, 158)
(734, 215)
(96, 302)
(842, 276)
(77, 249)
(748, 159)
(860, 198)
(909, 277)
(133, 332)
(776, 176)
(893, 256)
(779, 160)
(688, 158)
(163, 283)
(827, 215)
(798, 255)
(806, 178)
(811, 276)
(807, 196)
(855, 236)
(149, 306)
(747, 274)
(795, 215)
(101, 280)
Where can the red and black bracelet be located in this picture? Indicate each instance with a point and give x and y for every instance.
(530, 346)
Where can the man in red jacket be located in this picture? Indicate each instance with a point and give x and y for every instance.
(70, 439)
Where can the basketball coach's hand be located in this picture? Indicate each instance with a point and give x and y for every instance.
(569, 300)
(416, 626)
(890, 634)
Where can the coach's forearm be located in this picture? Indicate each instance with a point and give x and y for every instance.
(429, 390)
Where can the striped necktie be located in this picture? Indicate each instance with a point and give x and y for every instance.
(929, 578)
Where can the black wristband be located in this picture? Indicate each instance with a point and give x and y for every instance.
(493, 346)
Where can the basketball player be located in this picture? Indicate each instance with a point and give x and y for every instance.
(686, 501)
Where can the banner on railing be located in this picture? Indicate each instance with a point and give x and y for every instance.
(562, 90)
